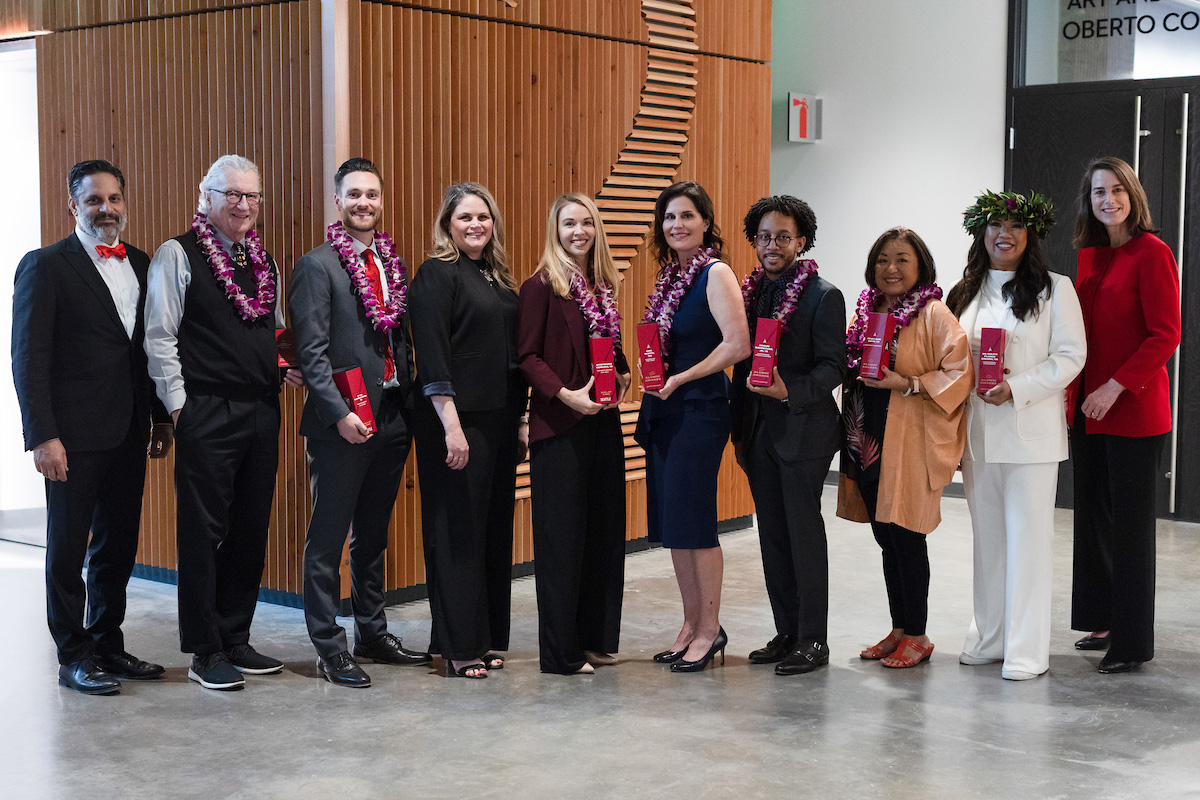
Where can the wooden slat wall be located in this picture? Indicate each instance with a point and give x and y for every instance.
(162, 99)
(435, 98)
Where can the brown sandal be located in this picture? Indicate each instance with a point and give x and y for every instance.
(886, 647)
(908, 654)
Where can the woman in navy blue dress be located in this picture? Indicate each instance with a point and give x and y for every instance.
(684, 425)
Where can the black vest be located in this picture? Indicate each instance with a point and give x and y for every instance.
(221, 353)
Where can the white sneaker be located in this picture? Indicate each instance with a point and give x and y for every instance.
(976, 661)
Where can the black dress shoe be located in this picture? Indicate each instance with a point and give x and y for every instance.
(1108, 666)
(387, 649)
(701, 664)
(124, 665)
(1090, 642)
(343, 670)
(775, 650)
(85, 677)
(804, 658)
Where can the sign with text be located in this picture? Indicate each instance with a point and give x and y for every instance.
(1068, 41)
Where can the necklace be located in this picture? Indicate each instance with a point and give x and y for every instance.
(905, 310)
(248, 308)
(670, 288)
(805, 268)
(599, 309)
(385, 315)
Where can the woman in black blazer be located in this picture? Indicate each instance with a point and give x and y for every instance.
(577, 466)
(468, 432)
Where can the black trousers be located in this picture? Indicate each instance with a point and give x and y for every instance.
(226, 456)
(578, 493)
(905, 568)
(1112, 584)
(102, 495)
(467, 530)
(352, 485)
(791, 534)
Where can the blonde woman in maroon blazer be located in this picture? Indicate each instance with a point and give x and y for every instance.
(1120, 412)
(577, 466)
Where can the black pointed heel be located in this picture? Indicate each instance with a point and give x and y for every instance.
(702, 664)
(669, 656)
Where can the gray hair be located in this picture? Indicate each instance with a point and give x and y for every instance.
(215, 177)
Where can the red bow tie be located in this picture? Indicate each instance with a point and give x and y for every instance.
(108, 252)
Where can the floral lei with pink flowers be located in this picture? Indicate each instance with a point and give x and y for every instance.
(805, 268)
(385, 315)
(905, 310)
(599, 309)
(221, 264)
(670, 288)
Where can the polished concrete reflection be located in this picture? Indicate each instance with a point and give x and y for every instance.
(633, 730)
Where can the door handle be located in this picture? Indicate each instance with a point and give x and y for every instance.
(1183, 157)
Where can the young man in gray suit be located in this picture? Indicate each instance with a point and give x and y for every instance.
(785, 434)
(347, 304)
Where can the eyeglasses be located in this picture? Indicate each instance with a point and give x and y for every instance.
(235, 198)
(781, 239)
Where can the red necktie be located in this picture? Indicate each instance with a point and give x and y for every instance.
(389, 365)
(108, 252)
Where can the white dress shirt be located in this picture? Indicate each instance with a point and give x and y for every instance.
(118, 276)
(166, 289)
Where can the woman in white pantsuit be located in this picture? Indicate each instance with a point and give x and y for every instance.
(1016, 431)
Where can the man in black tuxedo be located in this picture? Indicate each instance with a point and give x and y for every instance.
(86, 406)
(354, 472)
(784, 435)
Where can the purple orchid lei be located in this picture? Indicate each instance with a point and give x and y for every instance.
(599, 309)
(670, 288)
(248, 308)
(805, 268)
(905, 310)
(384, 316)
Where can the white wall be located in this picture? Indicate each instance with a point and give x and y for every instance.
(913, 124)
(20, 209)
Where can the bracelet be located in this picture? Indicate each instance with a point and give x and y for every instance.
(525, 420)
(913, 388)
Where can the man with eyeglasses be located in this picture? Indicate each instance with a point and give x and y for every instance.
(86, 408)
(211, 313)
(785, 434)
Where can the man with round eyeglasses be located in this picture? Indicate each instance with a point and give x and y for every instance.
(211, 313)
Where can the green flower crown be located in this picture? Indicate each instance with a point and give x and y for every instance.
(1036, 212)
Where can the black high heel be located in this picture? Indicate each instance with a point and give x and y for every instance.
(700, 665)
(670, 656)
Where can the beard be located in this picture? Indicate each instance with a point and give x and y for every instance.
(106, 228)
(354, 223)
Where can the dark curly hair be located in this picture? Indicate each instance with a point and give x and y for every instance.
(1022, 292)
(788, 206)
(703, 203)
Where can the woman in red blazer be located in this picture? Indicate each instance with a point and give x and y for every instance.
(1120, 411)
(577, 455)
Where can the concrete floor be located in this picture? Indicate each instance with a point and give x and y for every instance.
(633, 730)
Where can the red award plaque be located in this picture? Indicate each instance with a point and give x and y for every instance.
(354, 390)
(650, 356)
(766, 350)
(991, 358)
(604, 370)
(287, 348)
(877, 344)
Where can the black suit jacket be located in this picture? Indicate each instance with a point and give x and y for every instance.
(332, 333)
(552, 347)
(812, 362)
(79, 377)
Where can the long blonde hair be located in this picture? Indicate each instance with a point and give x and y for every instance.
(556, 265)
(494, 254)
